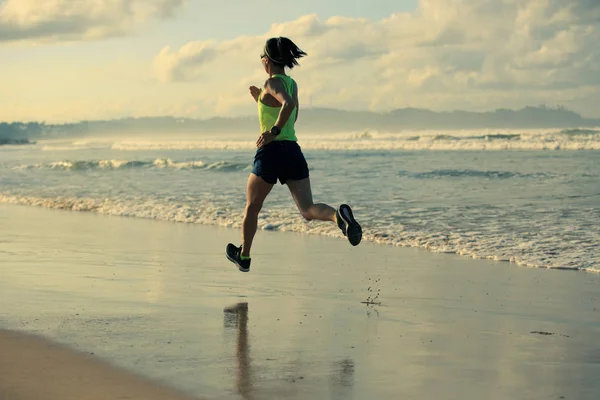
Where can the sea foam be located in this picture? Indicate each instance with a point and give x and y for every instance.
(562, 250)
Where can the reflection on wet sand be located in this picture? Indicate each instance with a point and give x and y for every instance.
(236, 318)
(342, 380)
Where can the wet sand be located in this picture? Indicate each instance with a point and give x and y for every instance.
(161, 301)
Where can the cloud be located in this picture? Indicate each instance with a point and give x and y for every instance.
(58, 20)
(447, 54)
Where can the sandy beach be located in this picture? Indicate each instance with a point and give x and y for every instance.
(141, 306)
(33, 368)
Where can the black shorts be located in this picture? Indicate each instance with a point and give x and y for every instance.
(281, 160)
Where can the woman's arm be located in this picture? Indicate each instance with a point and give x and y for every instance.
(297, 102)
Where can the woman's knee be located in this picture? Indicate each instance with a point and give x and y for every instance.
(306, 213)
(253, 207)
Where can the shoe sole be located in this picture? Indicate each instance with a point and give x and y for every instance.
(235, 262)
(353, 230)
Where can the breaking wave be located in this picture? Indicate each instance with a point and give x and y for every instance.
(482, 139)
(568, 139)
(469, 173)
(123, 164)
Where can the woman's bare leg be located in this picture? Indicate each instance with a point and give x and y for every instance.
(302, 194)
(256, 193)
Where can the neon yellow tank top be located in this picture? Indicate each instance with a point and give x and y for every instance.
(267, 116)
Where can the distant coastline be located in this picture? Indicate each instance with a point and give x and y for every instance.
(315, 120)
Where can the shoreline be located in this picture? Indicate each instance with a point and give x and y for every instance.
(337, 235)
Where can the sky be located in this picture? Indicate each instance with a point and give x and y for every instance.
(71, 60)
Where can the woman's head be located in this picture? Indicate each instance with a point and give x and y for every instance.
(281, 52)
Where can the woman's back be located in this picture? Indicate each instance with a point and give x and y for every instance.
(269, 107)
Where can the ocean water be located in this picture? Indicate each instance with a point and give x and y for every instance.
(530, 197)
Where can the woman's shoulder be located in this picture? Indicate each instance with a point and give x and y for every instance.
(285, 79)
(280, 77)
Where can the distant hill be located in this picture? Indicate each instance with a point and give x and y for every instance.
(315, 119)
(414, 118)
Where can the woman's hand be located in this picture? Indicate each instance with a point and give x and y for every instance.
(255, 92)
(265, 139)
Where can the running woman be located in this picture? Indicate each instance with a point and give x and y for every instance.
(278, 155)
